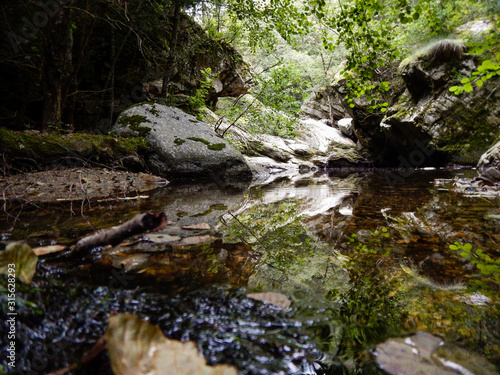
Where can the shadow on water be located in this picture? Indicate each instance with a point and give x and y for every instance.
(363, 256)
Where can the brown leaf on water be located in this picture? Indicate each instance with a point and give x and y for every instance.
(276, 299)
(22, 257)
(137, 347)
(44, 250)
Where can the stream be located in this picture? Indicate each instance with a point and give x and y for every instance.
(363, 256)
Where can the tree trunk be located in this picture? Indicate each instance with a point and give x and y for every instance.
(172, 50)
(57, 67)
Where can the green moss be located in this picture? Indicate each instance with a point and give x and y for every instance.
(196, 139)
(179, 141)
(219, 207)
(134, 123)
(470, 133)
(210, 146)
(46, 149)
(216, 146)
(28, 145)
(154, 110)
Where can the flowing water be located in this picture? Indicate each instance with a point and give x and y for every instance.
(363, 256)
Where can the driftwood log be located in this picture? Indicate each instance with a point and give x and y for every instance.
(149, 221)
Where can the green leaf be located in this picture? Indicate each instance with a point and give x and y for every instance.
(479, 83)
(453, 247)
(467, 247)
(468, 87)
(464, 255)
(464, 80)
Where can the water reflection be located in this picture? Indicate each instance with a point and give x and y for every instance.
(296, 237)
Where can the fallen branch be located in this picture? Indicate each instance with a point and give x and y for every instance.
(150, 221)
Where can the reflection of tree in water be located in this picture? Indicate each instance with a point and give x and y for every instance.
(276, 231)
(366, 310)
(360, 313)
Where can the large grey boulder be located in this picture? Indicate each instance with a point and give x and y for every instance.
(180, 145)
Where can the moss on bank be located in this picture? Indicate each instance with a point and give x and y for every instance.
(34, 151)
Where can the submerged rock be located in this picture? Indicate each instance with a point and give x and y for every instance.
(424, 353)
(180, 145)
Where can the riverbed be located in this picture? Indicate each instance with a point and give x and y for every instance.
(363, 256)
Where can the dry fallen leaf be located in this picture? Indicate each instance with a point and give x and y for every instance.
(276, 299)
(24, 259)
(43, 250)
(137, 347)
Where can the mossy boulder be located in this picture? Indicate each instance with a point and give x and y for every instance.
(180, 145)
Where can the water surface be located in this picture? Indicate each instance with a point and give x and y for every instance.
(362, 255)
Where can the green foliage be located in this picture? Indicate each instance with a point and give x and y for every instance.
(281, 89)
(488, 68)
(485, 264)
(263, 19)
(278, 95)
(255, 118)
(374, 245)
(375, 33)
(199, 99)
